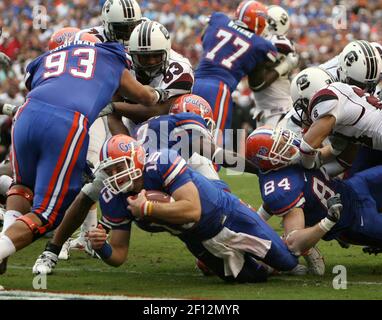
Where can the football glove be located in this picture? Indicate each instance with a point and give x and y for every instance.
(334, 208)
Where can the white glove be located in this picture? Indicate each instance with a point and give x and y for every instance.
(5, 61)
(93, 189)
(287, 64)
(107, 110)
(292, 60)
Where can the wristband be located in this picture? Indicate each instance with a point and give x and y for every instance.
(158, 95)
(326, 224)
(105, 251)
(147, 209)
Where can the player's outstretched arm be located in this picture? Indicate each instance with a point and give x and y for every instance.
(185, 209)
(313, 138)
(302, 240)
(227, 158)
(132, 89)
(113, 252)
(139, 113)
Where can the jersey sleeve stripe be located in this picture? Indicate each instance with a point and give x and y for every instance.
(322, 95)
(179, 123)
(177, 170)
(172, 167)
(291, 205)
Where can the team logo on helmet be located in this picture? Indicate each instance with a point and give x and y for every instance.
(303, 82)
(263, 151)
(350, 58)
(165, 32)
(284, 19)
(125, 147)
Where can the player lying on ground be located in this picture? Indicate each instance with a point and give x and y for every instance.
(49, 140)
(217, 227)
(301, 197)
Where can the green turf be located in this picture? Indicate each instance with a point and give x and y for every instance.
(160, 266)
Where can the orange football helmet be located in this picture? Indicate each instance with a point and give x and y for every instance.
(271, 149)
(195, 104)
(253, 15)
(122, 159)
(61, 36)
(69, 34)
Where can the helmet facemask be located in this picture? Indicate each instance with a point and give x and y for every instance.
(121, 174)
(150, 64)
(301, 107)
(121, 31)
(284, 149)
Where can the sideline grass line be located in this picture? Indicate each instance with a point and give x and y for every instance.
(85, 269)
(182, 274)
(46, 295)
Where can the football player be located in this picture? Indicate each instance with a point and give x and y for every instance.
(119, 18)
(233, 49)
(188, 129)
(154, 63)
(273, 102)
(217, 227)
(301, 197)
(340, 109)
(49, 137)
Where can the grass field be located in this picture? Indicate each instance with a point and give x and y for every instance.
(160, 266)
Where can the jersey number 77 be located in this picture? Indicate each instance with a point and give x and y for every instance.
(226, 37)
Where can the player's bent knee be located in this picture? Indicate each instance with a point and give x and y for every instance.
(35, 225)
(20, 190)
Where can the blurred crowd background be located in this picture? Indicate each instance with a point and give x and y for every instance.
(316, 38)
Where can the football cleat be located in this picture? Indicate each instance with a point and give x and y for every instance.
(371, 250)
(299, 270)
(78, 243)
(65, 251)
(315, 262)
(45, 263)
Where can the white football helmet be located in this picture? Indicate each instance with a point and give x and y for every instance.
(304, 86)
(150, 47)
(278, 20)
(119, 18)
(360, 64)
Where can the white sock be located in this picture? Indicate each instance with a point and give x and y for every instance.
(5, 184)
(90, 222)
(7, 247)
(10, 217)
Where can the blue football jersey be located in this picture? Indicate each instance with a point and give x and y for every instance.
(80, 76)
(166, 171)
(231, 52)
(293, 186)
(179, 132)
